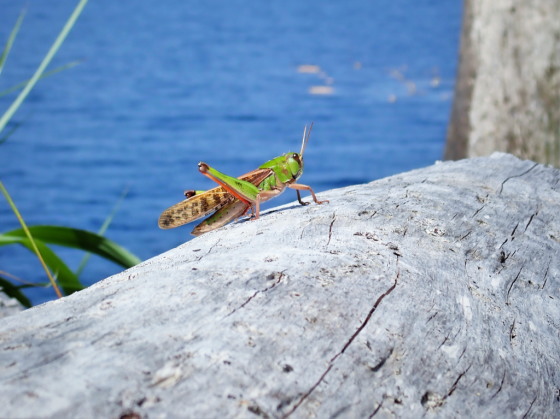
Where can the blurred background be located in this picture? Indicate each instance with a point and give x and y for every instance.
(163, 86)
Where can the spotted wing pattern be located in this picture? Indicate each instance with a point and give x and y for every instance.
(200, 205)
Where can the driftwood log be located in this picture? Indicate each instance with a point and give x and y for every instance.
(431, 293)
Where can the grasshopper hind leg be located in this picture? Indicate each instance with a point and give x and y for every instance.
(221, 217)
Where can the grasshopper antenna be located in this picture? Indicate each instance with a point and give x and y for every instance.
(306, 134)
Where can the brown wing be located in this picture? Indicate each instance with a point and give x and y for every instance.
(256, 176)
(200, 205)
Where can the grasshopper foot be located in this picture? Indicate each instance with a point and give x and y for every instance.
(299, 199)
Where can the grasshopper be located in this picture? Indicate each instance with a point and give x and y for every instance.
(236, 196)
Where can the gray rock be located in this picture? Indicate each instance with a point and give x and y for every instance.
(434, 292)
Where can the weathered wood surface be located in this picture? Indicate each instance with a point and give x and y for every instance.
(8, 306)
(432, 293)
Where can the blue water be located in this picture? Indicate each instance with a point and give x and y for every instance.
(164, 86)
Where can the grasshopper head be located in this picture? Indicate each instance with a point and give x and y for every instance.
(295, 160)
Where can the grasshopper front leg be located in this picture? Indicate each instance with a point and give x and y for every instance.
(299, 187)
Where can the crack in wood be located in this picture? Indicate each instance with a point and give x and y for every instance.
(454, 386)
(512, 334)
(248, 300)
(514, 229)
(340, 412)
(346, 345)
(478, 210)
(43, 362)
(209, 250)
(530, 219)
(514, 176)
(368, 317)
(101, 337)
(546, 274)
(501, 385)
(256, 410)
(444, 340)
(513, 282)
(530, 406)
(380, 364)
(376, 410)
(330, 228)
(465, 236)
(308, 393)
(431, 317)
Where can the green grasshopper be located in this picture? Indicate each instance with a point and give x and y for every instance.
(236, 196)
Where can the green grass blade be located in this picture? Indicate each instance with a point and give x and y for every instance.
(102, 230)
(24, 284)
(67, 279)
(28, 235)
(80, 239)
(10, 132)
(11, 40)
(41, 69)
(45, 75)
(13, 291)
